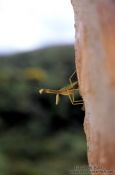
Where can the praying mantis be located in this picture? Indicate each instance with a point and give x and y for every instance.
(69, 91)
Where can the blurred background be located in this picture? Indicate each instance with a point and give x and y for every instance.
(36, 51)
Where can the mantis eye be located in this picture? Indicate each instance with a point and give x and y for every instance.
(57, 99)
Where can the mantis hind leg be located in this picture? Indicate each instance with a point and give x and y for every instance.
(75, 102)
(72, 80)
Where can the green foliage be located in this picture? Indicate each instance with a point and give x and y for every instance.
(56, 154)
(36, 136)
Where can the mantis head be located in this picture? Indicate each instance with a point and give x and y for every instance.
(41, 91)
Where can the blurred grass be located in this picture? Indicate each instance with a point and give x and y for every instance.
(37, 137)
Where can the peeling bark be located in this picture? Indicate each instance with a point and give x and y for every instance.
(95, 62)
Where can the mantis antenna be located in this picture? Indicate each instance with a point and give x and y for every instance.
(69, 91)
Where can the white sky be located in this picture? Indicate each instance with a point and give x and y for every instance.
(30, 24)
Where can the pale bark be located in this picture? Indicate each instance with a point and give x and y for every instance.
(95, 62)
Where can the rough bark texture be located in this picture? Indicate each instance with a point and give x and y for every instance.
(95, 62)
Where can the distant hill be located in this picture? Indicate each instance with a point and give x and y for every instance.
(34, 58)
(57, 61)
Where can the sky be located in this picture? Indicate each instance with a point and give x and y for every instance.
(31, 24)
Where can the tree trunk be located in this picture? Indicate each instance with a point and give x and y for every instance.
(95, 62)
